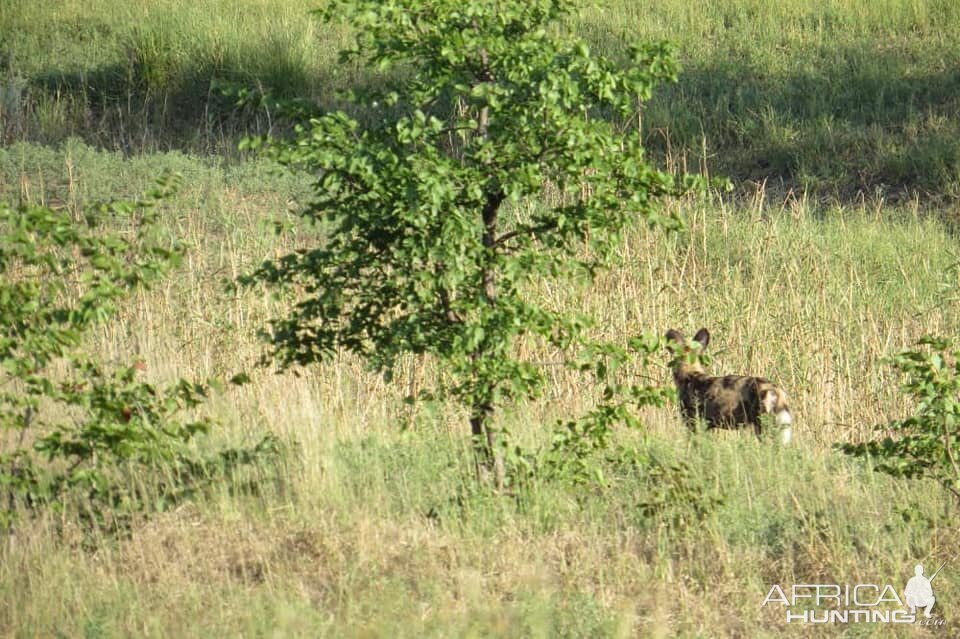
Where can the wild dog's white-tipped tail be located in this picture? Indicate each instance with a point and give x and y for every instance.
(785, 422)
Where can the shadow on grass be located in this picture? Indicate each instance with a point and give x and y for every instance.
(872, 126)
(854, 123)
(123, 108)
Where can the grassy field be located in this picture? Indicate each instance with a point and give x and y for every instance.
(841, 99)
(837, 122)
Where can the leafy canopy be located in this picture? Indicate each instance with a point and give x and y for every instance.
(499, 151)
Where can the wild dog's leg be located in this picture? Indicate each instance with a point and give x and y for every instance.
(785, 422)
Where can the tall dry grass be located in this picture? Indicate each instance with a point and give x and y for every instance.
(374, 530)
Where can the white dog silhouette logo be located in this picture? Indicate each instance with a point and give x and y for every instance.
(918, 592)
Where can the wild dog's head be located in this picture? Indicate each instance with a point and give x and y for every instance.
(686, 354)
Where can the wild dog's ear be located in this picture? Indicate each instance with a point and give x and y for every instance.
(702, 336)
(674, 336)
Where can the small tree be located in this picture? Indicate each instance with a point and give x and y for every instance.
(499, 157)
(927, 443)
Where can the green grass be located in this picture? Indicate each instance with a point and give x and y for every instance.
(393, 542)
(138, 77)
(375, 531)
(842, 100)
(836, 98)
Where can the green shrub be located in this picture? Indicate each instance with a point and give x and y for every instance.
(76, 431)
(927, 443)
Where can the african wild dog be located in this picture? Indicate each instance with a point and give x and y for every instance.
(731, 401)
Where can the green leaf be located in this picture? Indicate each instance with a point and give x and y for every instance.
(435, 212)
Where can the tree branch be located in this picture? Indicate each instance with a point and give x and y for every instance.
(527, 230)
(484, 75)
(490, 214)
(444, 295)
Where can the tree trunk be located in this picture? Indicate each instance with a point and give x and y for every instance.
(488, 456)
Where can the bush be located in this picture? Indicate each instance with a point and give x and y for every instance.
(77, 431)
(926, 443)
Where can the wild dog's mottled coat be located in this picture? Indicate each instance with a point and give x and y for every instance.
(731, 401)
